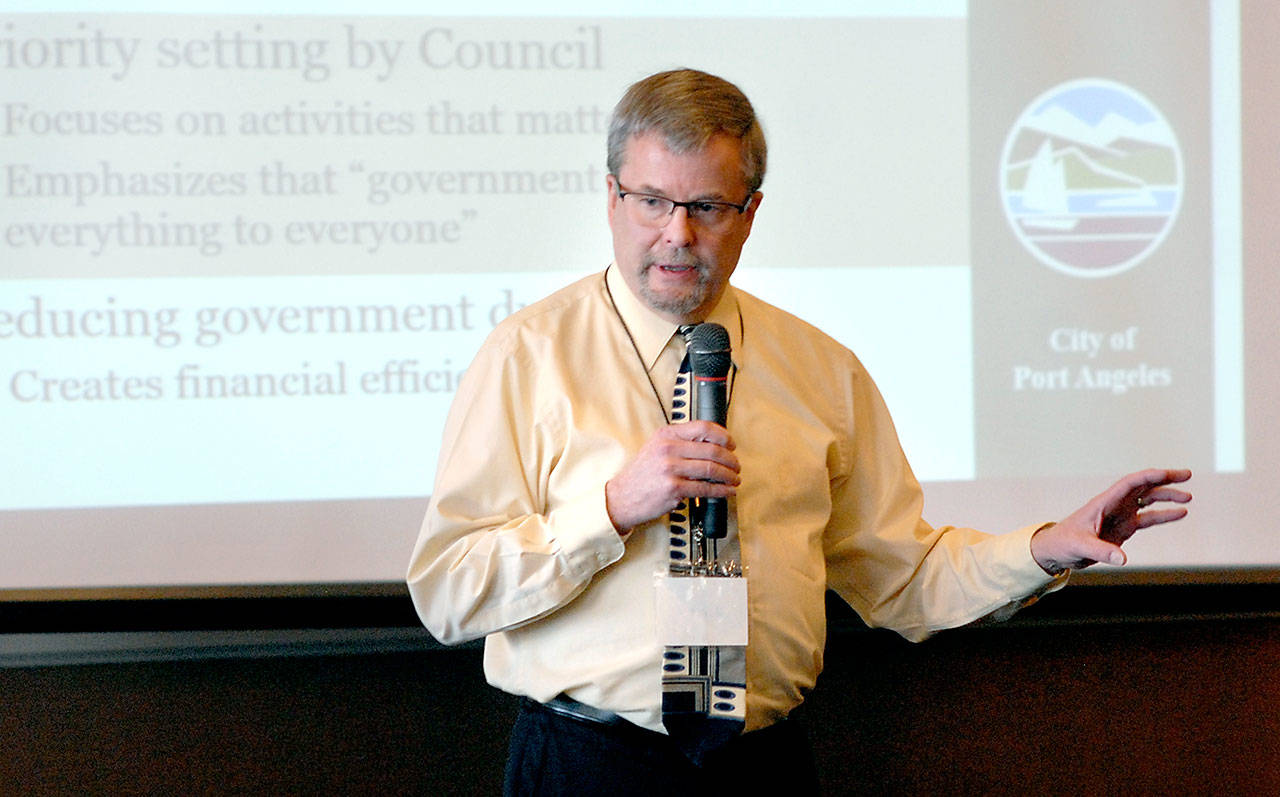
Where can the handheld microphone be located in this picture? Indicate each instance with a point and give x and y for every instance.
(709, 361)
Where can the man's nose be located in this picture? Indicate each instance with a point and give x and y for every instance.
(678, 231)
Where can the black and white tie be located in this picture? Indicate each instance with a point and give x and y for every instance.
(704, 691)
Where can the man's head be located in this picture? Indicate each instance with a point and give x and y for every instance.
(689, 137)
(686, 108)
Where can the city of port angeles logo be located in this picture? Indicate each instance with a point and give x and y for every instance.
(1091, 178)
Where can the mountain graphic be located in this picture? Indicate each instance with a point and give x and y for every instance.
(1058, 121)
(1125, 163)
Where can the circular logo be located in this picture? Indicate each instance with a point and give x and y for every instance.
(1091, 178)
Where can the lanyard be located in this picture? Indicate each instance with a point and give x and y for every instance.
(640, 358)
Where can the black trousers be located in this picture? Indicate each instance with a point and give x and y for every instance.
(551, 754)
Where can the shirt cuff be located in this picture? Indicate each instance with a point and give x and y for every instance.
(586, 532)
(1028, 572)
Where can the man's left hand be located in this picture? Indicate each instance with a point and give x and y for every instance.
(1095, 531)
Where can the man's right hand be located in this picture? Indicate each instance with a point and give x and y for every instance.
(681, 460)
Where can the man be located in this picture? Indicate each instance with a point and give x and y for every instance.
(561, 474)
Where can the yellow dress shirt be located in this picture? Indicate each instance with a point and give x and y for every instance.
(517, 545)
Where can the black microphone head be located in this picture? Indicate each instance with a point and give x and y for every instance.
(709, 351)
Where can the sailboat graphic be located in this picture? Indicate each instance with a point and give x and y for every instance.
(1090, 178)
(1045, 192)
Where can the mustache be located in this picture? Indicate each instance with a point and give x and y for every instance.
(676, 258)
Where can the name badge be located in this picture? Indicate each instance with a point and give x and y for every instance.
(701, 610)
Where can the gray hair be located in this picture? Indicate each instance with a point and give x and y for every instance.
(687, 108)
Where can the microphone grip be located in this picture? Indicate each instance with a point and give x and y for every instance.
(715, 518)
(712, 405)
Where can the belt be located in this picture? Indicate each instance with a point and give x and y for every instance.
(566, 706)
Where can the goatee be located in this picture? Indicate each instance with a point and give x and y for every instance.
(680, 305)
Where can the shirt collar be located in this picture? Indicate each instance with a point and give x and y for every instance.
(651, 331)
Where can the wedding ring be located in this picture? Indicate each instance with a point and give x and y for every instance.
(1142, 501)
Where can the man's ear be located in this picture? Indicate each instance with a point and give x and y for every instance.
(750, 212)
(611, 188)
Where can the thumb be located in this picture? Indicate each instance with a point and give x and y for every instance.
(1103, 551)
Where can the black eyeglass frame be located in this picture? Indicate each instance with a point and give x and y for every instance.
(688, 206)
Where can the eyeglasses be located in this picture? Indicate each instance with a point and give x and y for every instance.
(652, 210)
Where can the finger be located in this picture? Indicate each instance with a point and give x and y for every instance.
(668, 454)
(1163, 475)
(706, 470)
(699, 432)
(1138, 484)
(710, 470)
(697, 488)
(1155, 517)
(680, 454)
(1153, 478)
(712, 453)
(1164, 494)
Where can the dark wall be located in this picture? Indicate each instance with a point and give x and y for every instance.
(400, 723)
(1144, 707)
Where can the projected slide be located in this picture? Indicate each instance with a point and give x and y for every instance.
(244, 260)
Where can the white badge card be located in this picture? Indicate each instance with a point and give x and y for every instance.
(701, 610)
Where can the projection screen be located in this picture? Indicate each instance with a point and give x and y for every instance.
(246, 251)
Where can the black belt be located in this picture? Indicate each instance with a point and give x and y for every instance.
(566, 706)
